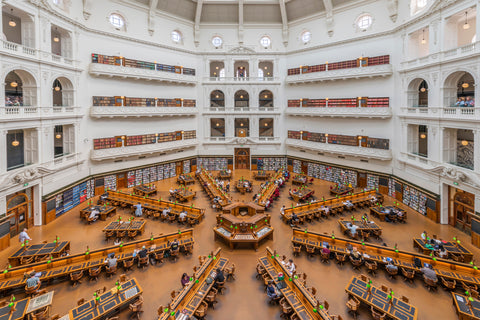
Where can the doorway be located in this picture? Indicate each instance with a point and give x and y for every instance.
(462, 208)
(242, 158)
(19, 211)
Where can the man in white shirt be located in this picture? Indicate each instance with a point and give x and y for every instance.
(24, 236)
(282, 210)
(424, 235)
(182, 215)
(94, 215)
(165, 212)
(290, 266)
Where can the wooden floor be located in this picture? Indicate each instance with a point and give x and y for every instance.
(244, 298)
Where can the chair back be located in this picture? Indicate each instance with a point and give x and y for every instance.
(80, 302)
(42, 314)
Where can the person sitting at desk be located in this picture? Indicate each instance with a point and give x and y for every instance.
(94, 215)
(138, 210)
(365, 217)
(182, 215)
(390, 216)
(391, 267)
(111, 260)
(219, 277)
(23, 236)
(174, 245)
(272, 291)
(282, 210)
(373, 199)
(104, 196)
(185, 280)
(429, 273)
(326, 250)
(400, 213)
(356, 255)
(290, 266)
(348, 204)
(142, 254)
(442, 253)
(166, 212)
(424, 235)
(294, 219)
(33, 280)
(353, 229)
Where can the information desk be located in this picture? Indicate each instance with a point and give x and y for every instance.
(185, 179)
(450, 247)
(243, 224)
(61, 267)
(243, 186)
(335, 205)
(224, 175)
(20, 307)
(123, 199)
(110, 302)
(188, 300)
(212, 188)
(450, 270)
(104, 212)
(260, 175)
(378, 212)
(466, 310)
(369, 226)
(302, 194)
(341, 191)
(299, 298)
(144, 190)
(183, 194)
(122, 226)
(395, 308)
(299, 179)
(39, 251)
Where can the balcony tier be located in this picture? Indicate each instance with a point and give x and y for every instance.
(25, 113)
(442, 113)
(242, 140)
(341, 112)
(126, 112)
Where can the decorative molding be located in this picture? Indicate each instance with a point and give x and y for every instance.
(126, 112)
(392, 6)
(242, 140)
(241, 50)
(341, 112)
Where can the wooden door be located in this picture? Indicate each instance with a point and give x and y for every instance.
(179, 168)
(304, 167)
(362, 180)
(121, 180)
(18, 212)
(463, 209)
(242, 158)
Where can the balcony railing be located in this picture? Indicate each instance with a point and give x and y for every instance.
(242, 140)
(236, 80)
(252, 110)
(144, 149)
(383, 70)
(374, 112)
(426, 163)
(12, 113)
(124, 112)
(345, 150)
(99, 69)
(463, 113)
(21, 50)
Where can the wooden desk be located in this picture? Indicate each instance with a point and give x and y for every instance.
(270, 187)
(61, 267)
(302, 194)
(40, 302)
(341, 191)
(362, 225)
(377, 212)
(299, 298)
(240, 186)
(185, 179)
(451, 270)
(224, 175)
(465, 311)
(188, 300)
(144, 190)
(183, 194)
(260, 175)
(395, 308)
(20, 312)
(300, 179)
(450, 247)
(104, 212)
(38, 251)
(212, 188)
(120, 226)
(109, 303)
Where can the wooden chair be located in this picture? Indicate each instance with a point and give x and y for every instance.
(469, 287)
(201, 311)
(182, 220)
(93, 273)
(376, 315)
(364, 235)
(286, 308)
(220, 286)
(172, 218)
(210, 298)
(324, 256)
(402, 219)
(377, 234)
(159, 257)
(384, 288)
(449, 285)
(42, 314)
(356, 263)
(341, 258)
(55, 317)
(405, 299)
(392, 273)
(174, 254)
(191, 222)
(260, 271)
(109, 235)
(24, 260)
(408, 275)
(143, 262)
(296, 250)
(136, 308)
(76, 277)
(353, 304)
(326, 305)
(111, 271)
(32, 290)
(310, 250)
(371, 267)
(230, 272)
(430, 284)
(132, 234)
(128, 264)
(121, 234)
(80, 302)
(457, 257)
(188, 249)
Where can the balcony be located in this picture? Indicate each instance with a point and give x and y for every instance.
(24, 113)
(241, 80)
(238, 110)
(466, 51)
(242, 140)
(120, 72)
(338, 149)
(142, 150)
(442, 113)
(18, 50)
(148, 112)
(341, 112)
(383, 70)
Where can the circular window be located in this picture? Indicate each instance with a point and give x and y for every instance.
(217, 41)
(364, 21)
(306, 36)
(265, 41)
(176, 36)
(57, 2)
(116, 20)
(421, 3)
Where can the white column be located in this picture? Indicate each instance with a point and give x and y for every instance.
(434, 143)
(3, 152)
(37, 208)
(444, 203)
(476, 152)
(229, 126)
(253, 122)
(46, 144)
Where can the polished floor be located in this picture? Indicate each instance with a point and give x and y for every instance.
(244, 297)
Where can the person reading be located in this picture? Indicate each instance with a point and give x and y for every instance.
(33, 281)
(23, 236)
(94, 215)
(138, 210)
(185, 280)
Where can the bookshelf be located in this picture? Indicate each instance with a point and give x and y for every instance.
(139, 102)
(186, 166)
(293, 134)
(372, 182)
(293, 71)
(103, 101)
(342, 139)
(378, 102)
(297, 166)
(104, 143)
(332, 174)
(379, 60)
(138, 177)
(343, 65)
(345, 102)
(189, 103)
(348, 64)
(100, 101)
(166, 137)
(373, 102)
(271, 164)
(139, 140)
(316, 103)
(377, 143)
(192, 134)
(111, 182)
(293, 103)
(391, 187)
(212, 164)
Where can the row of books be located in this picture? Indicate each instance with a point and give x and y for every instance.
(116, 142)
(132, 63)
(110, 182)
(271, 164)
(74, 196)
(332, 174)
(372, 181)
(151, 174)
(364, 141)
(212, 164)
(415, 199)
(337, 102)
(121, 101)
(297, 166)
(348, 64)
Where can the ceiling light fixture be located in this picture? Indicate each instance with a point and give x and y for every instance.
(55, 37)
(465, 85)
(423, 136)
(12, 23)
(15, 142)
(466, 25)
(423, 37)
(14, 84)
(464, 143)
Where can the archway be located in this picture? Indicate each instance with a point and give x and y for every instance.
(242, 158)
(19, 212)
(20, 89)
(459, 90)
(62, 92)
(265, 99)
(241, 99)
(417, 93)
(217, 99)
